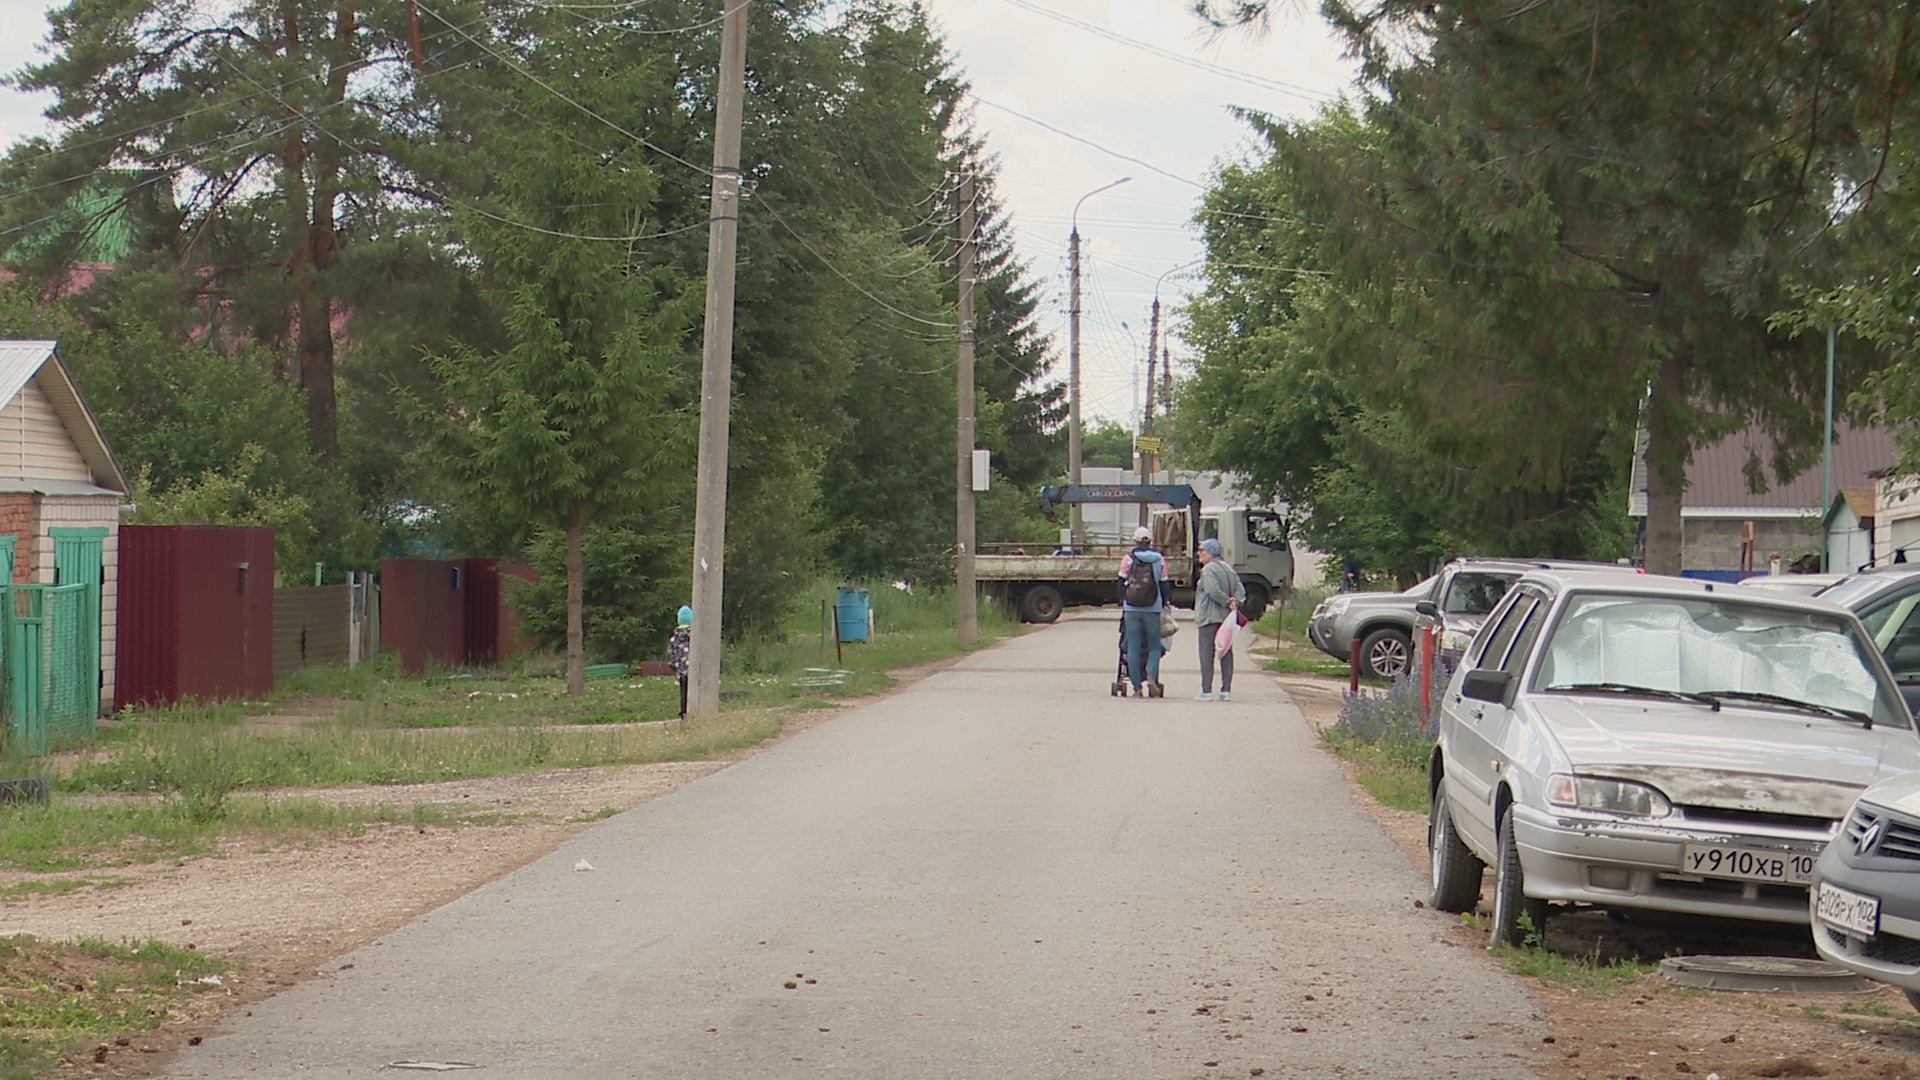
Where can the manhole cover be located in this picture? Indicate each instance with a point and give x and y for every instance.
(1779, 973)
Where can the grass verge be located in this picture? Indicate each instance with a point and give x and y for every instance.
(59, 1000)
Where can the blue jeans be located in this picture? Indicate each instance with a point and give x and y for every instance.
(1143, 645)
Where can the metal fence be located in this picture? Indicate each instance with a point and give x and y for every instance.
(52, 674)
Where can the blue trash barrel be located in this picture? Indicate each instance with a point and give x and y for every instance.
(855, 610)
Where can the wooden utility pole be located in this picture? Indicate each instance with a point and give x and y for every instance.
(716, 370)
(965, 597)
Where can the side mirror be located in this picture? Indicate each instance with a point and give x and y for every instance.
(1484, 684)
(1427, 608)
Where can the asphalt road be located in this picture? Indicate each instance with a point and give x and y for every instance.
(998, 872)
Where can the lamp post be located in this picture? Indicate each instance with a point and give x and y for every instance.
(1073, 348)
(1150, 464)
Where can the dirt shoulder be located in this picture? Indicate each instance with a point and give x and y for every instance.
(1648, 1027)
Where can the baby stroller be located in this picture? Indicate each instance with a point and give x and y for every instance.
(1120, 683)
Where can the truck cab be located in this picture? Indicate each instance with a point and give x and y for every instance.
(1256, 544)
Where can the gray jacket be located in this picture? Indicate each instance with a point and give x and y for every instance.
(1218, 583)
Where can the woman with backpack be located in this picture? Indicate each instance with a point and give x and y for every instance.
(1144, 592)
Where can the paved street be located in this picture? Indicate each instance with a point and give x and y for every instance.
(999, 872)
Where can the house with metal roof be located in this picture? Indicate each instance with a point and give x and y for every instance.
(60, 496)
(1736, 518)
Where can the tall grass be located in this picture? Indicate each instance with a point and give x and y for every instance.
(196, 767)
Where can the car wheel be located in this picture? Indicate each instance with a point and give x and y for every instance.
(1456, 871)
(1913, 999)
(1256, 603)
(1386, 653)
(1516, 917)
(1041, 604)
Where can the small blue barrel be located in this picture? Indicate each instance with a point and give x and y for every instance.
(855, 615)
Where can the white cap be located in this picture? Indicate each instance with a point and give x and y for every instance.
(1141, 532)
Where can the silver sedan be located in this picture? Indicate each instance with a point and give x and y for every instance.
(1632, 741)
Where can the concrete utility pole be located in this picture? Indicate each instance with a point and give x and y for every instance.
(716, 370)
(966, 599)
(1073, 349)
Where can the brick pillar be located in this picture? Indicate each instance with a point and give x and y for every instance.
(20, 515)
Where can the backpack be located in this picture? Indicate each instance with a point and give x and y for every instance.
(1142, 590)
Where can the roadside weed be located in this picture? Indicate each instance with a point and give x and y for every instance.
(57, 998)
(1381, 733)
(1587, 974)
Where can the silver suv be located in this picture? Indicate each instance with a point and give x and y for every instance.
(1383, 623)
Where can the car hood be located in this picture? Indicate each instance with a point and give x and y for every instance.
(1738, 758)
(1374, 599)
(1900, 793)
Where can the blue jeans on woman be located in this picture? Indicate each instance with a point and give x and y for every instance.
(1143, 646)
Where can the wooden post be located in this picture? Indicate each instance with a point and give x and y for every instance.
(716, 370)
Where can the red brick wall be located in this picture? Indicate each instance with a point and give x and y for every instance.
(20, 515)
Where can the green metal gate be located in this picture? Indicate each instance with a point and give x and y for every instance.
(79, 558)
(51, 672)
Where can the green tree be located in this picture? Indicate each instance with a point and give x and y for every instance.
(289, 132)
(1550, 210)
(566, 426)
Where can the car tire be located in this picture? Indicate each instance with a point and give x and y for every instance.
(1516, 917)
(1455, 870)
(1041, 604)
(1256, 602)
(1386, 652)
(1913, 999)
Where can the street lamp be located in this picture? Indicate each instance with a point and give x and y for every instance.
(1150, 462)
(1073, 348)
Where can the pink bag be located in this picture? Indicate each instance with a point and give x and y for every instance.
(1223, 637)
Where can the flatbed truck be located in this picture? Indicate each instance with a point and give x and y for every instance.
(1040, 586)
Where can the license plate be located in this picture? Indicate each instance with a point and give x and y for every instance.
(1746, 864)
(1853, 912)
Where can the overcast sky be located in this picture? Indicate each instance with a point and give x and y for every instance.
(1116, 80)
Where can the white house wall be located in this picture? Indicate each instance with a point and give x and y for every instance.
(34, 444)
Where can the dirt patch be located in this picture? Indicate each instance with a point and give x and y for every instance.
(1647, 1027)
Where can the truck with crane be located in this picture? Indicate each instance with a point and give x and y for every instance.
(1039, 587)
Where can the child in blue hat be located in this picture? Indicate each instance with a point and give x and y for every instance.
(678, 648)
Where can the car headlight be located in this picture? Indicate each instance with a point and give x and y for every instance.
(1606, 796)
(1335, 606)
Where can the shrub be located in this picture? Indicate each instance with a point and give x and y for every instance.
(1390, 719)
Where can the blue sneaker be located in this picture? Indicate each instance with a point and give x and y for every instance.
(1226, 695)
(1203, 697)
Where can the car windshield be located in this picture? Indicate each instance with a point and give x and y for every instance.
(1476, 593)
(1741, 652)
(1853, 591)
(1424, 589)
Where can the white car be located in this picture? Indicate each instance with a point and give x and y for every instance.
(1634, 741)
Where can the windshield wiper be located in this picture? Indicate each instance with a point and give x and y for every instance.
(1794, 703)
(1642, 691)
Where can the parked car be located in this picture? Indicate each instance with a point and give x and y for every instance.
(1887, 599)
(1384, 623)
(1804, 584)
(1866, 887)
(1644, 742)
